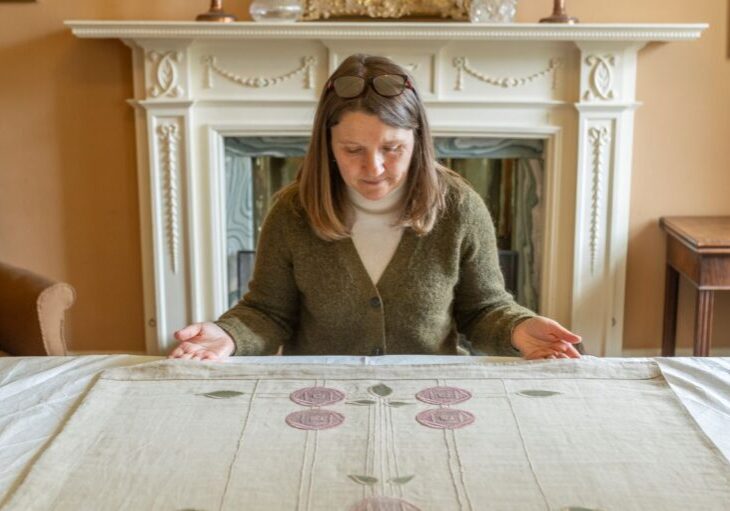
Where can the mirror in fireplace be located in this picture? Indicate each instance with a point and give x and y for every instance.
(507, 173)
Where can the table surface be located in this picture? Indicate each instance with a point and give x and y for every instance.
(39, 394)
(700, 232)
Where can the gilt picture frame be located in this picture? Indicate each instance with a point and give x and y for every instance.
(339, 10)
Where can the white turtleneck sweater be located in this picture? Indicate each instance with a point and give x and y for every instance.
(373, 232)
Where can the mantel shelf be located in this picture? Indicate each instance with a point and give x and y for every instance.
(642, 32)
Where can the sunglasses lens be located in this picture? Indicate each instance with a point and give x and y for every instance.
(349, 86)
(389, 85)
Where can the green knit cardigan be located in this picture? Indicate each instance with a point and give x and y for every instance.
(315, 297)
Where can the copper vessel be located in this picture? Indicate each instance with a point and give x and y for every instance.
(559, 15)
(216, 13)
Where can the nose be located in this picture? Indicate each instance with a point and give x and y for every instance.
(373, 164)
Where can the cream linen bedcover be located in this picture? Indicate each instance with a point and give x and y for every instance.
(594, 434)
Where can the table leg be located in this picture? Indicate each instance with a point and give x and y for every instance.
(703, 323)
(671, 288)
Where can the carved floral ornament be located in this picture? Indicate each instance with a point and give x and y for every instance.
(599, 138)
(168, 135)
(164, 74)
(600, 77)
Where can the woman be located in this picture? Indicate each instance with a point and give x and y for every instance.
(375, 248)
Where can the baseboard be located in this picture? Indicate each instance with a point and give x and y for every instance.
(681, 352)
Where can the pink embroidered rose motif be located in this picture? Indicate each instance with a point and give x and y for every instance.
(443, 395)
(383, 504)
(445, 418)
(317, 396)
(315, 419)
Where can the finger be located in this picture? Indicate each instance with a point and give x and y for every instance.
(571, 352)
(537, 354)
(182, 348)
(190, 347)
(564, 334)
(186, 356)
(189, 332)
(559, 348)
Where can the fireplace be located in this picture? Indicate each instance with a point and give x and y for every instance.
(568, 89)
(507, 174)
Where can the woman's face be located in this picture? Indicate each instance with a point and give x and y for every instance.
(373, 157)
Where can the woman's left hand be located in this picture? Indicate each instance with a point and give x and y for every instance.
(541, 337)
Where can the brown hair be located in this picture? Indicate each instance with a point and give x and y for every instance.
(319, 186)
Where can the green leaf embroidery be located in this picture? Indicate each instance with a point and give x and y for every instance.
(364, 480)
(222, 394)
(361, 402)
(381, 390)
(400, 480)
(538, 393)
(397, 403)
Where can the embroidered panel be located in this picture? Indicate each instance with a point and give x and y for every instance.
(180, 435)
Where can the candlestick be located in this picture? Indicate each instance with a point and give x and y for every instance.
(216, 13)
(559, 15)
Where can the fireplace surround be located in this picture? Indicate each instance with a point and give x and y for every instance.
(570, 86)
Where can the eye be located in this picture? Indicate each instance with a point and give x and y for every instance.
(392, 149)
(352, 150)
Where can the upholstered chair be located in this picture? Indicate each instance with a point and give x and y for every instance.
(32, 313)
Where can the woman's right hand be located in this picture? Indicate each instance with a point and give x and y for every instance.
(203, 341)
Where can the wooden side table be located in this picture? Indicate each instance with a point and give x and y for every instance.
(699, 249)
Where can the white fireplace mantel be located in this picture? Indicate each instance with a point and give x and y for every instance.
(449, 31)
(571, 85)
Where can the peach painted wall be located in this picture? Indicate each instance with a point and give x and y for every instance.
(68, 187)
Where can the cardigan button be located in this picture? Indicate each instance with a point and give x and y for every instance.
(375, 302)
(376, 352)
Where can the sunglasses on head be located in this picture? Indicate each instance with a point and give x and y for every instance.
(388, 86)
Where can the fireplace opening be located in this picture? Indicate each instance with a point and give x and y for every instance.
(507, 173)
